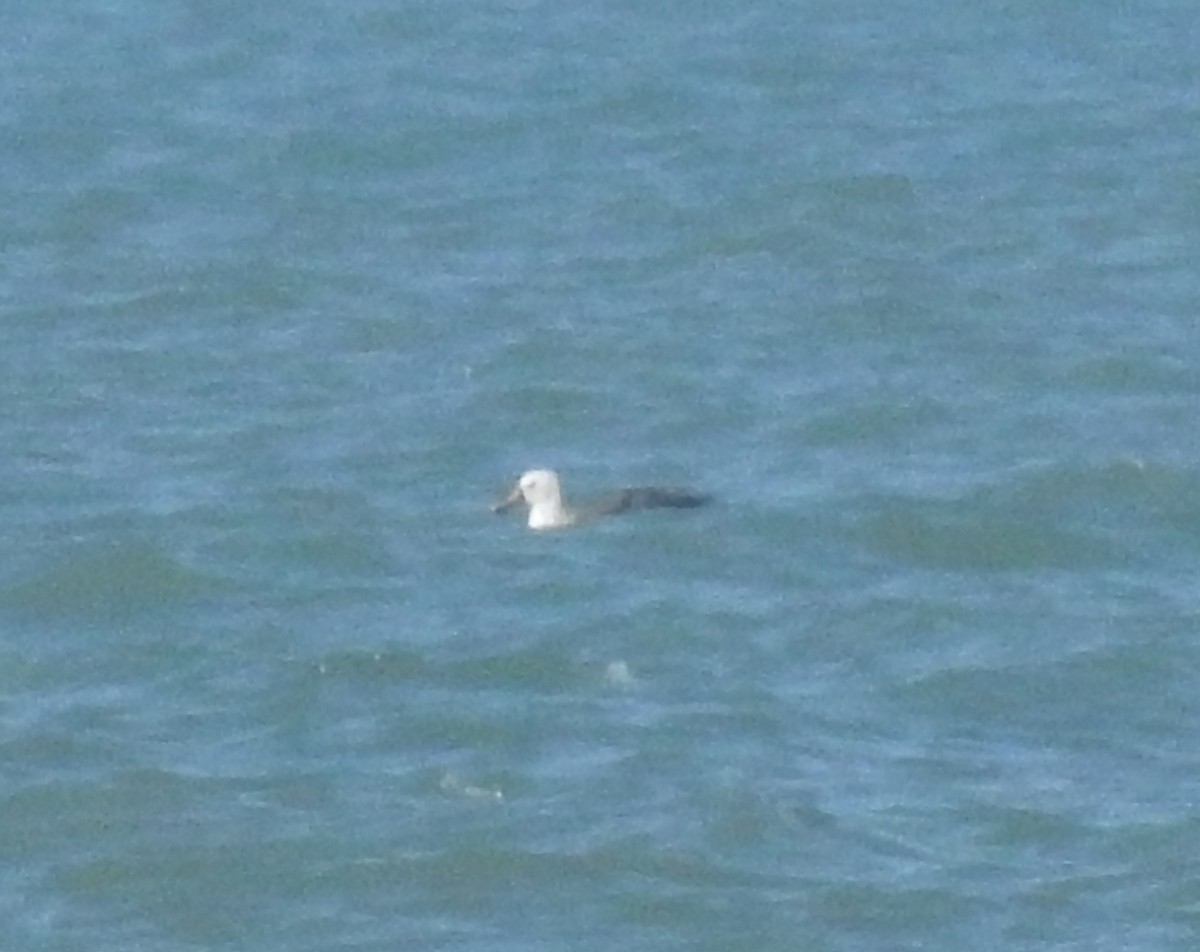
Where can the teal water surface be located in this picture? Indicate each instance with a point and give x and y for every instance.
(292, 292)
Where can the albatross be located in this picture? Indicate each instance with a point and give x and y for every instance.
(539, 489)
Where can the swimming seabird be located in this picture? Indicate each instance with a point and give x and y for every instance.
(539, 489)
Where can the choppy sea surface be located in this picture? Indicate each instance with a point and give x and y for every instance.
(291, 292)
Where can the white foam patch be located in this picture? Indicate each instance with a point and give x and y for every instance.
(619, 673)
(454, 785)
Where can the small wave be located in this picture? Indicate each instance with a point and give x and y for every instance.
(1069, 515)
(952, 538)
(107, 579)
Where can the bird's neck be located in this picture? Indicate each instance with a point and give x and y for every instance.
(549, 514)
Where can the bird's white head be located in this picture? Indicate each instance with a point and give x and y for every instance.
(539, 487)
(539, 490)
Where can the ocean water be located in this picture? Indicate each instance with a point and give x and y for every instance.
(289, 294)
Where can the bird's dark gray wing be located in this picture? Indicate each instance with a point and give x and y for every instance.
(646, 497)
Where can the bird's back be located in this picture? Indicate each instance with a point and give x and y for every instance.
(648, 497)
